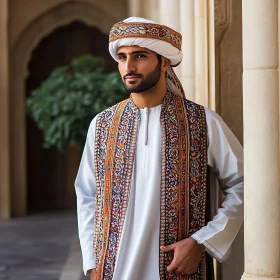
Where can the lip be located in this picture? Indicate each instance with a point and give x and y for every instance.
(132, 78)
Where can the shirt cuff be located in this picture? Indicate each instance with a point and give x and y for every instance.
(210, 249)
(88, 265)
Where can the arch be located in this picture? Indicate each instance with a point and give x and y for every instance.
(20, 54)
(56, 17)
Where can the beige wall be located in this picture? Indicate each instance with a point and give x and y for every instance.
(4, 114)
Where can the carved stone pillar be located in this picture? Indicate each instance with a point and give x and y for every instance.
(188, 63)
(145, 8)
(201, 50)
(150, 9)
(134, 8)
(169, 15)
(228, 60)
(261, 139)
(4, 114)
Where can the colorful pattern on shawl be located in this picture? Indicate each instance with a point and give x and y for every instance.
(183, 194)
(174, 194)
(183, 188)
(145, 30)
(114, 156)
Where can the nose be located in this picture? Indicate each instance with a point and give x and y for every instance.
(130, 65)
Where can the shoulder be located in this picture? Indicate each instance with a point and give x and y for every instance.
(212, 116)
(107, 111)
(209, 114)
(195, 112)
(215, 121)
(103, 120)
(219, 132)
(191, 105)
(101, 117)
(106, 115)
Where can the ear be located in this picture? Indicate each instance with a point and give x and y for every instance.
(165, 63)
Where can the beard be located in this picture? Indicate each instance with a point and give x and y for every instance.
(147, 82)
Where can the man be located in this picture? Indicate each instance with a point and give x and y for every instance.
(142, 191)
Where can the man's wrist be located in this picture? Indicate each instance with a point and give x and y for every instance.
(199, 244)
(91, 270)
(194, 240)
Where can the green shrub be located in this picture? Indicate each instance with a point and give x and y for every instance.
(66, 102)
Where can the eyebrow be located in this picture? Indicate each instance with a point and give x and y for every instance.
(135, 52)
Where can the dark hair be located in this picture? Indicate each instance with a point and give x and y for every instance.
(159, 57)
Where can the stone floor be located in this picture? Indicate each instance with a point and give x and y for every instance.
(38, 247)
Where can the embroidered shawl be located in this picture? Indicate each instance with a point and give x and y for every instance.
(183, 183)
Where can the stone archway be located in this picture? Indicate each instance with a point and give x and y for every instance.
(51, 173)
(20, 55)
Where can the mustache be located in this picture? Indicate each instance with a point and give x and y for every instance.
(132, 74)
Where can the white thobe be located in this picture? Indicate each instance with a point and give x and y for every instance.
(138, 255)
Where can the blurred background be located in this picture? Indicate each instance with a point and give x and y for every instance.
(57, 49)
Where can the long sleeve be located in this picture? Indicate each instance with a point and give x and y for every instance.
(225, 157)
(85, 186)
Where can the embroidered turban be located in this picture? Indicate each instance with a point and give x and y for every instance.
(136, 31)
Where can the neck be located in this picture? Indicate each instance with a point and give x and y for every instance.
(150, 98)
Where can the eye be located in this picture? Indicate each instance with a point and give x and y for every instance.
(121, 57)
(140, 55)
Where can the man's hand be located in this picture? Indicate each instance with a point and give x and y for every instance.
(92, 274)
(187, 256)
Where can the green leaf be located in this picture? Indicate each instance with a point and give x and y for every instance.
(65, 103)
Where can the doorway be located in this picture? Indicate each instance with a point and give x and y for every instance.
(50, 173)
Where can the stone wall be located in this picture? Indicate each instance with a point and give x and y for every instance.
(4, 114)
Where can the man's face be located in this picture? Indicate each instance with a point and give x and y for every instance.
(139, 67)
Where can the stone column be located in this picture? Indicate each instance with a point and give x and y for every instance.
(201, 50)
(261, 139)
(188, 63)
(145, 8)
(210, 53)
(134, 8)
(169, 15)
(4, 114)
(151, 10)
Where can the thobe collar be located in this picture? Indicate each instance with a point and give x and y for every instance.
(165, 101)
